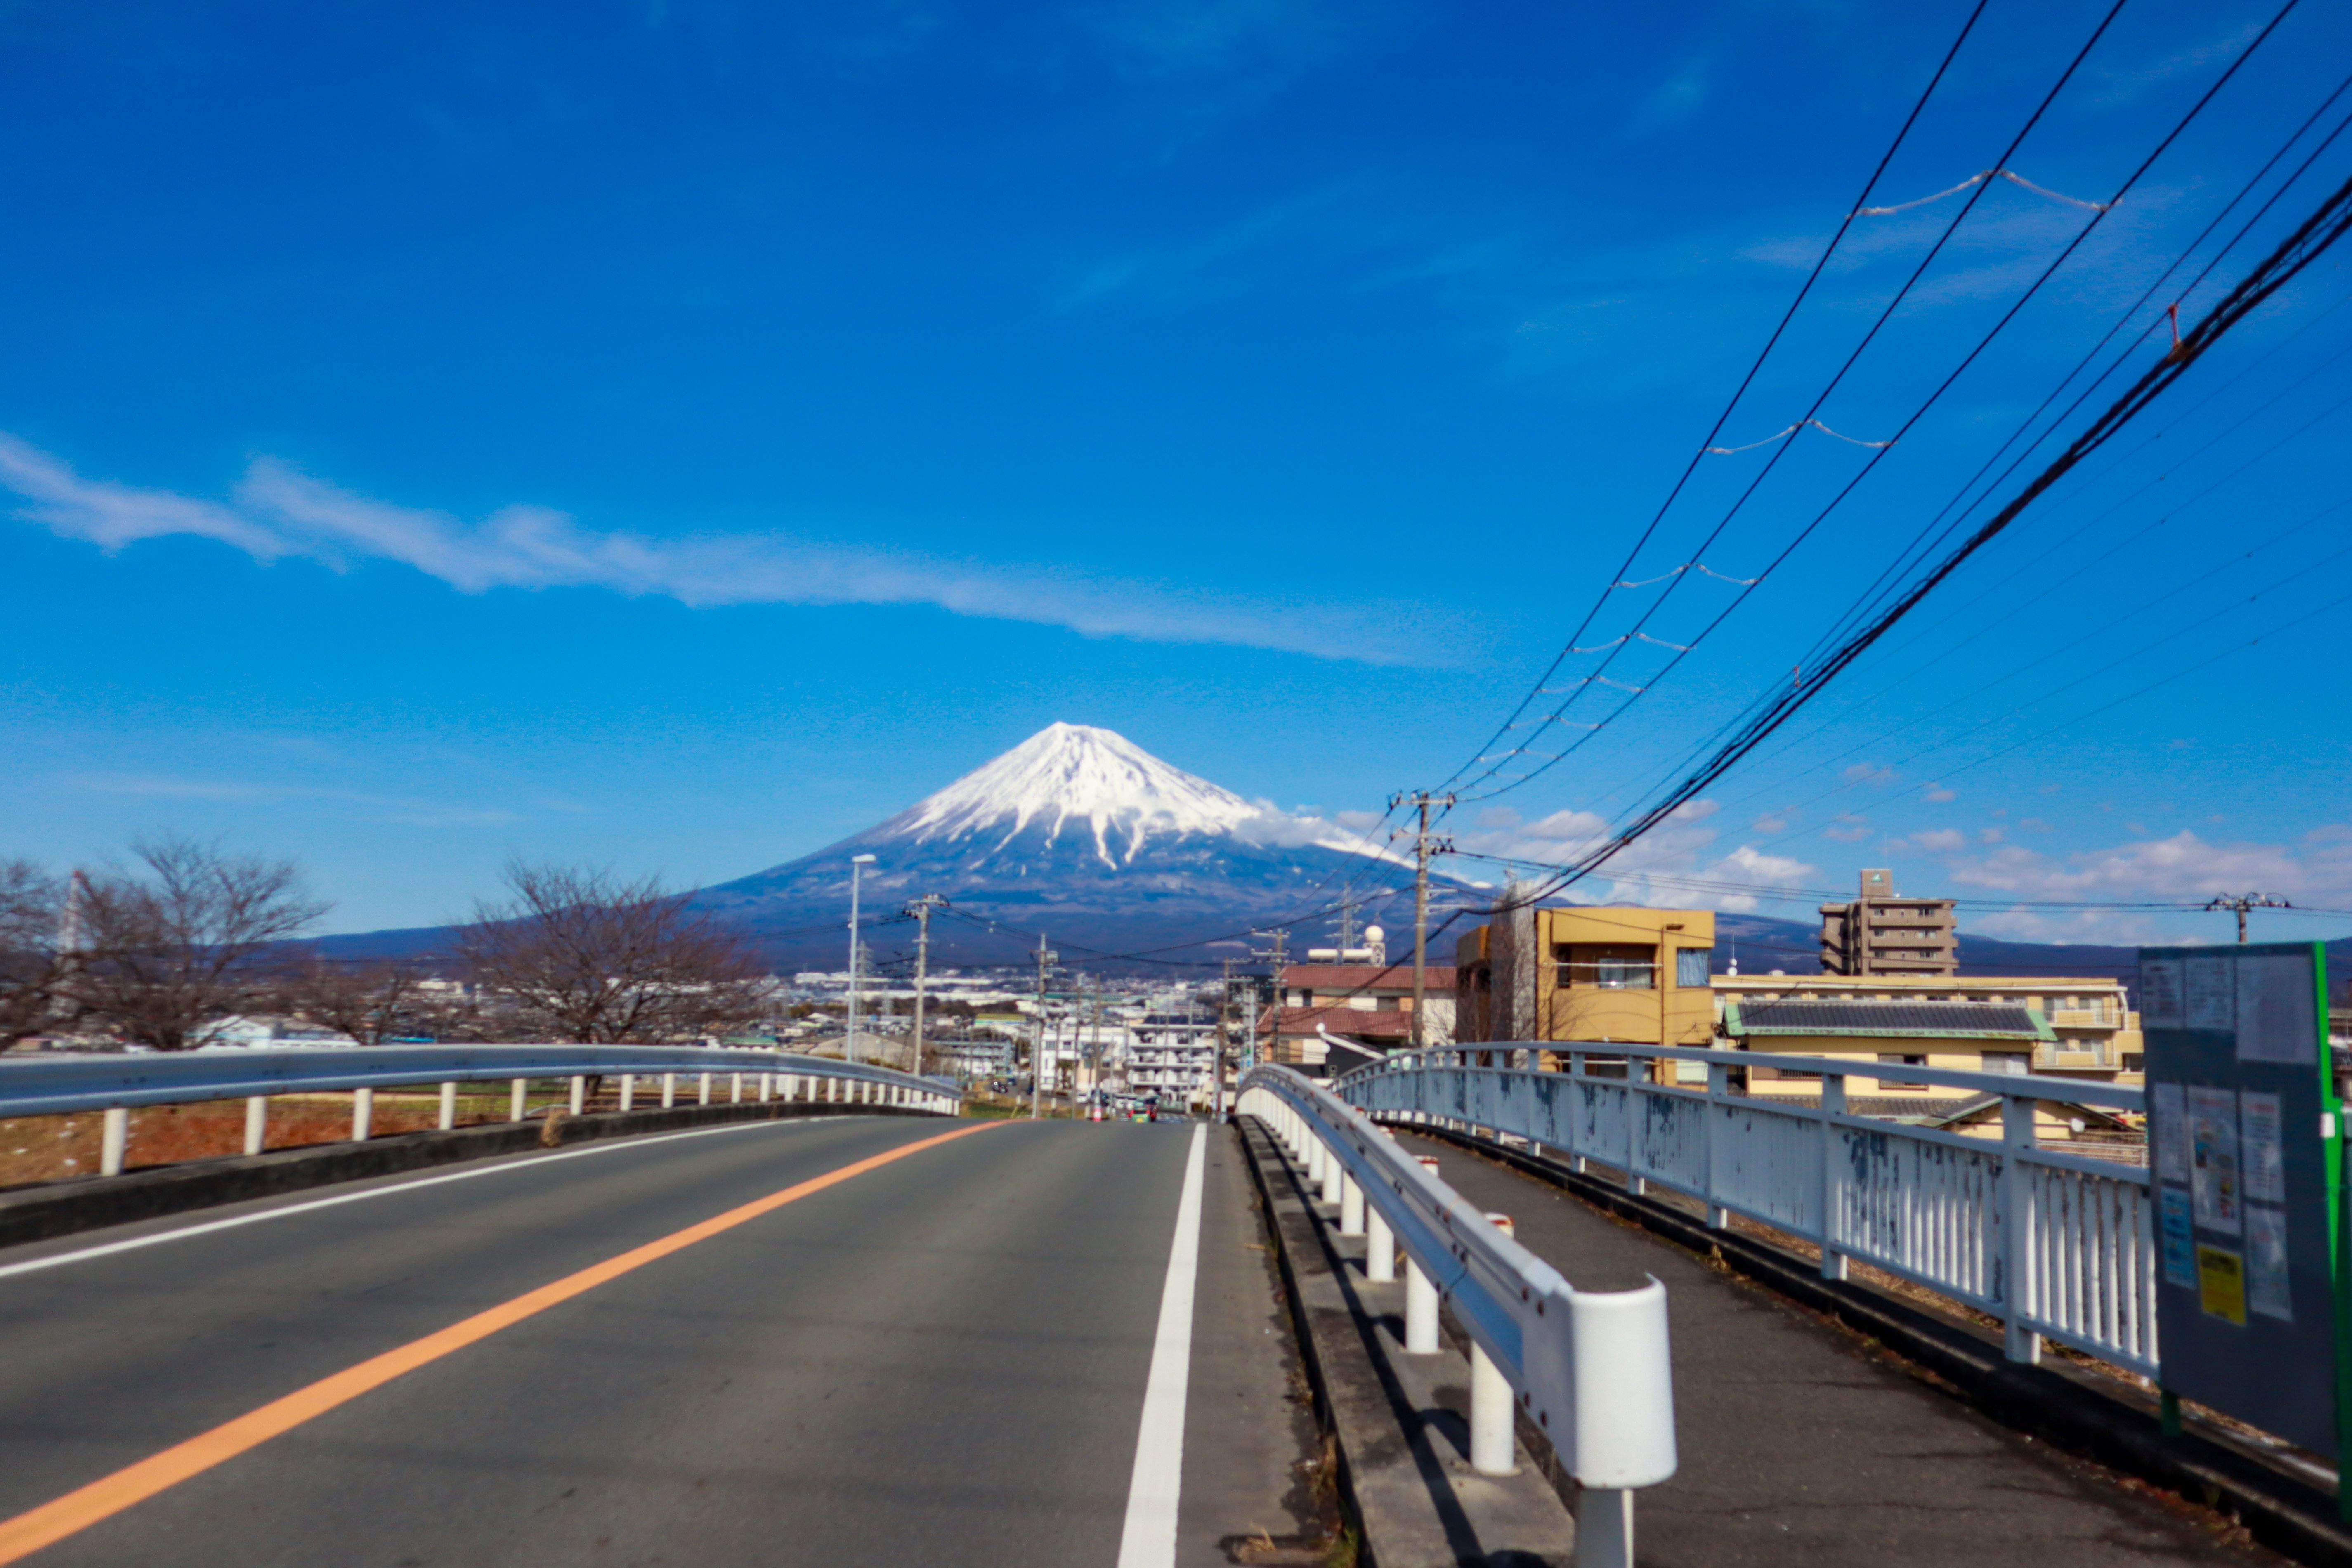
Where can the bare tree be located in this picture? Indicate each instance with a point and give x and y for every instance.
(32, 959)
(590, 956)
(372, 1000)
(165, 952)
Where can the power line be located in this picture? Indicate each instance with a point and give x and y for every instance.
(1920, 412)
(1715, 430)
(2310, 241)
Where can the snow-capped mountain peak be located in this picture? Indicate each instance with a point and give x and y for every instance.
(1071, 774)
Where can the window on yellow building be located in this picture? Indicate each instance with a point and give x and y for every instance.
(1691, 966)
(1901, 1061)
(1609, 967)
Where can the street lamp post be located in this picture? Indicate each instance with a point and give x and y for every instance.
(857, 864)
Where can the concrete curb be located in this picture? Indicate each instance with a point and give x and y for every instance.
(92, 1202)
(2290, 1517)
(1412, 1508)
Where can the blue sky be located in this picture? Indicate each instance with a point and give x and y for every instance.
(678, 435)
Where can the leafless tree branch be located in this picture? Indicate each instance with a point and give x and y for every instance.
(588, 955)
(166, 951)
(32, 964)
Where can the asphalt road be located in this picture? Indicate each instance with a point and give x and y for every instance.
(941, 1359)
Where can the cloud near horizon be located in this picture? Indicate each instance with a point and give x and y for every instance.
(1676, 865)
(278, 513)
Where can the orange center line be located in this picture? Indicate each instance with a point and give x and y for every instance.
(109, 1495)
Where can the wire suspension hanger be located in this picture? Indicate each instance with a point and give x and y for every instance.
(1799, 425)
(2011, 175)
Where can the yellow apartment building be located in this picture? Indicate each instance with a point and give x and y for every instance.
(2083, 1026)
(1601, 973)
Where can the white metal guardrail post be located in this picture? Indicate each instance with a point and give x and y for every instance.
(114, 1141)
(257, 1124)
(1590, 1370)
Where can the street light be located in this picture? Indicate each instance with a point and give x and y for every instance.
(857, 864)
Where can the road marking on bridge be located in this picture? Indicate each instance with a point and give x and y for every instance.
(1149, 1540)
(102, 1498)
(132, 1244)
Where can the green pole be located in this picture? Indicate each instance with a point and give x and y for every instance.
(2339, 1252)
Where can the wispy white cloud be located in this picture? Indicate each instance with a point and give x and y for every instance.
(2125, 84)
(279, 512)
(2314, 872)
(1188, 37)
(2183, 867)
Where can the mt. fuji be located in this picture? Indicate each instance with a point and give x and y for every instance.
(1082, 835)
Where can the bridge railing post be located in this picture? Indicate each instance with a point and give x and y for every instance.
(2019, 1342)
(1832, 1175)
(1719, 1091)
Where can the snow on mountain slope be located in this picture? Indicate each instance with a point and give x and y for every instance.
(1101, 784)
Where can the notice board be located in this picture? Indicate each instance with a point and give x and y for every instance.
(2243, 1128)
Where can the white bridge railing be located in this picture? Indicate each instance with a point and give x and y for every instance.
(2051, 1243)
(1590, 1369)
(115, 1084)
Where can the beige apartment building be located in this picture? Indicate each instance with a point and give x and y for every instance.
(1879, 933)
(2081, 1026)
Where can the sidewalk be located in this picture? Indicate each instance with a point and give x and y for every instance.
(1800, 1448)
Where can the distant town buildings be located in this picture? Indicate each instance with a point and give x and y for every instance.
(1879, 933)
(1331, 1017)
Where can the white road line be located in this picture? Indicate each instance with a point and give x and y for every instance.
(1149, 1538)
(107, 1249)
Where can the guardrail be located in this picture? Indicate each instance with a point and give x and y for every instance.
(115, 1084)
(2051, 1243)
(1589, 1368)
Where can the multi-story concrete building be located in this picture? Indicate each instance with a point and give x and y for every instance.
(1173, 1058)
(1879, 933)
(1602, 974)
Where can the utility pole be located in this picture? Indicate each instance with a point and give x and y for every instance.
(921, 910)
(857, 864)
(1277, 954)
(1038, 1058)
(2240, 902)
(1423, 847)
